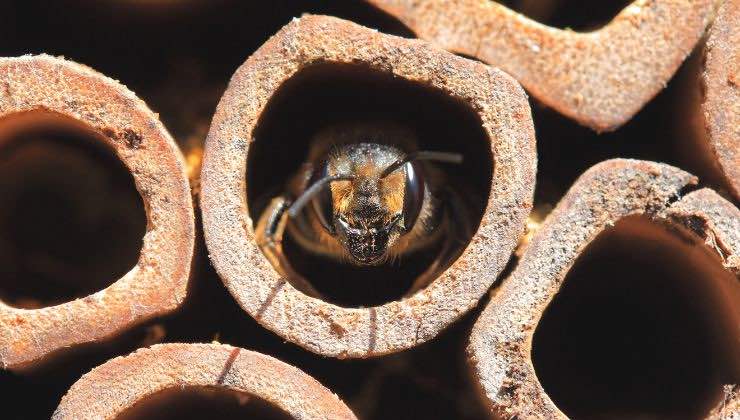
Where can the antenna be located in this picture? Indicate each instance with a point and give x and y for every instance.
(311, 192)
(423, 155)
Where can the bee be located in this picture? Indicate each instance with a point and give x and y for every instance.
(367, 195)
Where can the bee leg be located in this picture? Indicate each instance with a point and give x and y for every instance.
(457, 231)
(269, 237)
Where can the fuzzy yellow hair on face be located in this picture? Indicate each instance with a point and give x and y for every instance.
(392, 189)
(341, 193)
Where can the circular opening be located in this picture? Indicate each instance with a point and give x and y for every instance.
(644, 326)
(202, 403)
(577, 15)
(325, 95)
(71, 220)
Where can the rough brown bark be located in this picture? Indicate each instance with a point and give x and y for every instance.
(501, 342)
(37, 88)
(321, 327)
(600, 79)
(115, 386)
(715, 102)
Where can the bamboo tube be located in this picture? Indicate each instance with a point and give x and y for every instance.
(41, 89)
(641, 212)
(711, 104)
(491, 99)
(127, 385)
(599, 79)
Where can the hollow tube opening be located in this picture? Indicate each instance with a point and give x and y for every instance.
(329, 93)
(644, 326)
(71, 219)
(576, 15)
(195, 402)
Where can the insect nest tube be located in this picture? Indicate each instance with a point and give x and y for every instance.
(600, 79)
(333, 103)
(183, 380)
(625, 303)
(709, 117)
(80, 121)
(65, 194)
(321, 70)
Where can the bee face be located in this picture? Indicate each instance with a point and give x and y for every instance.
(370, 210)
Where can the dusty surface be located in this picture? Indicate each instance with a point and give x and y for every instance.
(179, 62)
(600, 79)
(39, 87)
(721, 86)
(316, 325)
(714, 220)
(118, 384)
(500, 344)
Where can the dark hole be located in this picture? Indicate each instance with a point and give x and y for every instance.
(645, 326)
(71, 220)
(578, 15)
(327, 94)
(203, 403)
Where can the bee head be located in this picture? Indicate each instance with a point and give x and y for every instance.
(367, 196)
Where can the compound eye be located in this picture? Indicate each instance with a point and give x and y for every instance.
(322, 203)
(413, 197)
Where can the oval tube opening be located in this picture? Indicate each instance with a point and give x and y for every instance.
(71, 219)
(576, 15)
(202, 403)
(326, 95)
(645, 325)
